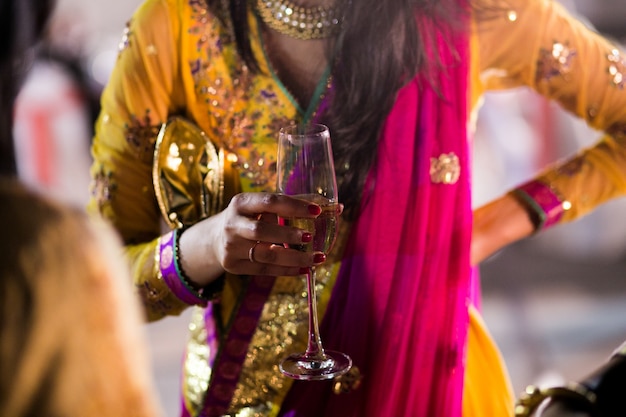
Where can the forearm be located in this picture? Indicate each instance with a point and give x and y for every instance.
(498, 224)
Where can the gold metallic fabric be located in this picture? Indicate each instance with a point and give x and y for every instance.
(188, 173)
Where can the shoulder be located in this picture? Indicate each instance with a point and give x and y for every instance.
(176, 11)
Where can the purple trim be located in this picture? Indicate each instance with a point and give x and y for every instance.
(546, 200)
(227, 368)
(171, 277)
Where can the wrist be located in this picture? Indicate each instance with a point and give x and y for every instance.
(496, 225)
(175, 277)
(543, 205)
(197, 258)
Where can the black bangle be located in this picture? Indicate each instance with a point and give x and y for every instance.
(210, 292)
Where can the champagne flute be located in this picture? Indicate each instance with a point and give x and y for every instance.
(306, 170)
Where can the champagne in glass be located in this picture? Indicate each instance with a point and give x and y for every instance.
(306, 171)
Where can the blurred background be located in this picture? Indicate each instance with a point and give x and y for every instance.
(556, 303)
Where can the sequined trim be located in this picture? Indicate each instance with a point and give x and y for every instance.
(553, 62)
(281, 330)
(198, 360)
(232, 353)
(125, 42)
(445, 169)
(616, 69)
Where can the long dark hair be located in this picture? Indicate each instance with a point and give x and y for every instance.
(380, 48)
(21, 25)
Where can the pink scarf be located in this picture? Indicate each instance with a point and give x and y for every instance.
(399, 307)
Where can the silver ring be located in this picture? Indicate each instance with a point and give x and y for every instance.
(251, 251)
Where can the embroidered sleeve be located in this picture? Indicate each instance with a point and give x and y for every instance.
(140, 94)
(537, 43)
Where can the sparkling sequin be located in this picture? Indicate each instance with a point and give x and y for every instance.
(196, 367)
(151, 50)
(617, 69)
(126, 36)
(553, 62)
(511, 15)
(234, 118)
(445, 169)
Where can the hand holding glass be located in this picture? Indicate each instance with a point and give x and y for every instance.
(306, 170)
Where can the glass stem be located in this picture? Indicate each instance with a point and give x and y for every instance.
(314, 348)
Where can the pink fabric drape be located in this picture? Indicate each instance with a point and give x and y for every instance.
(399, 307)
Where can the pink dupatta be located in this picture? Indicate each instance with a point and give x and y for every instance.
(400, 304)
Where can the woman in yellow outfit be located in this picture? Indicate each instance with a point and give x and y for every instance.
(185, 164)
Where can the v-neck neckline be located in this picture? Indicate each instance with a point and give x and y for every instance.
(318, 92)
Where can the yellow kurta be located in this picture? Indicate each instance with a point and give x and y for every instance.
(177, 58)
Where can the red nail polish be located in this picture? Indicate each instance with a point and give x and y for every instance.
(319, 258)
(315, 209)
(307, 237)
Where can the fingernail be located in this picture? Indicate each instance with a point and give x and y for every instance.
(319, 258)
(315, 209)
(307, 237)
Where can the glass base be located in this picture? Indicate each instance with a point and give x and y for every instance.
(326, 366)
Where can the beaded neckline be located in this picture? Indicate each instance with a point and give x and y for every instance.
(299, 22)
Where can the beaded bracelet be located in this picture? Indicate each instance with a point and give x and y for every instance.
(175, 278)
(545, 207)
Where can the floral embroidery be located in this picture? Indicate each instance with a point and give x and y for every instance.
(142, 136)
(446, 169)
(554, 62)
(617, 68)
(103, 187)
(235, 100)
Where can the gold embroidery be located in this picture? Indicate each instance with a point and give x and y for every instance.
(554, 62)
(103, 187)
(235, 100)
(196, 368)
(446, 169)
(142, 136)
(617, 68)
(155, 291)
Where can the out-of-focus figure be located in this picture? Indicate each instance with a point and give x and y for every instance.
(54, 115)
(71, 341)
